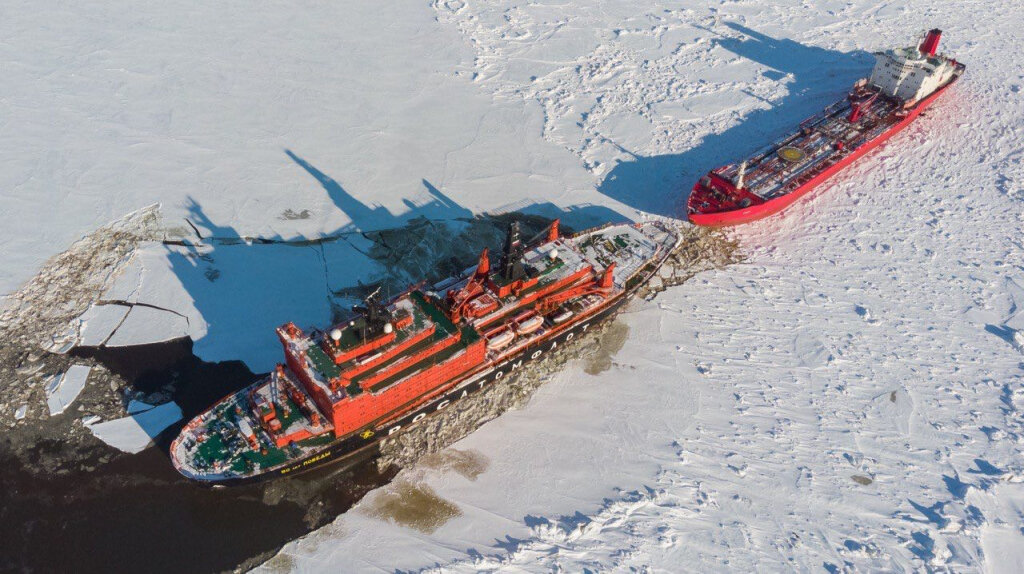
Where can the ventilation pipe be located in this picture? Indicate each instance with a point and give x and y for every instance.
(553, 231)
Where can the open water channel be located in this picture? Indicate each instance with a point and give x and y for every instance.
(136, 513)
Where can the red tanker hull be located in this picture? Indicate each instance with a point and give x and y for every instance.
(773, 206)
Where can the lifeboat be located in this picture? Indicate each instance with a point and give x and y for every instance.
(500, 340)
(562, 316)
(528, 324)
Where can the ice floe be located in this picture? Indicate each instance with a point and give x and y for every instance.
(99, 322)
(134, 433)
(63, 389)
(145, 325)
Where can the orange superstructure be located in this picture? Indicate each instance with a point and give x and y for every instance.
(391, 360)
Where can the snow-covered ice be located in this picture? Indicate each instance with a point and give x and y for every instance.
(63, 389)
(148, 325)
(99, 322)
(112, 106)
(134, 433)
(848, 399)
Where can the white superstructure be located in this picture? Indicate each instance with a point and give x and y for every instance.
(914, 72)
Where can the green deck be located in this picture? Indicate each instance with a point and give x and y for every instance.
(294, 413)
(212, 449)
(325, 364)
(444, 324)
(275, 456)
(322, 362)
(351, 335)
(423, 309)
(469, 335)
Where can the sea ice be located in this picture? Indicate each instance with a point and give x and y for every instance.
(649, 465)
(99, 322)
(394, 112)
(148, 325)
(63, 389)
(134, 433)
(623, 105)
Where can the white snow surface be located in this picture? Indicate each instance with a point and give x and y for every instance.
(98, 323)
(111, 106)
(849, 399)
(64, 388)
(133, 434)
(148, 325)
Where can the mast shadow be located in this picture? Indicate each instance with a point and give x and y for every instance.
(242, 288)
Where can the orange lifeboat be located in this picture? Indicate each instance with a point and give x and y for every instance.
(528, 324)
(562, 316)
(500, 340)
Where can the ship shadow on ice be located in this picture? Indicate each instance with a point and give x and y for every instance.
(244, 287)
(660, 184)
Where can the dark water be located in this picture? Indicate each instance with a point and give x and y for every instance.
(136, 513)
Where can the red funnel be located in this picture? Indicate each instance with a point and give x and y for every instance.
(931, 42)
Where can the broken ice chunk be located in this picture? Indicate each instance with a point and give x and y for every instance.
(134, 433)
(20, 413)
(62, 390)
(64, 341)
(146, 325)
(99, 322)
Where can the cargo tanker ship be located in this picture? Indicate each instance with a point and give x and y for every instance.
(903, 83)
(391, 363)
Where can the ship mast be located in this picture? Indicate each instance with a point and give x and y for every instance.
(511, 257)
(276, 382)
(376, 316)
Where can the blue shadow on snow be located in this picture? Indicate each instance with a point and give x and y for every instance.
(245, 287)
